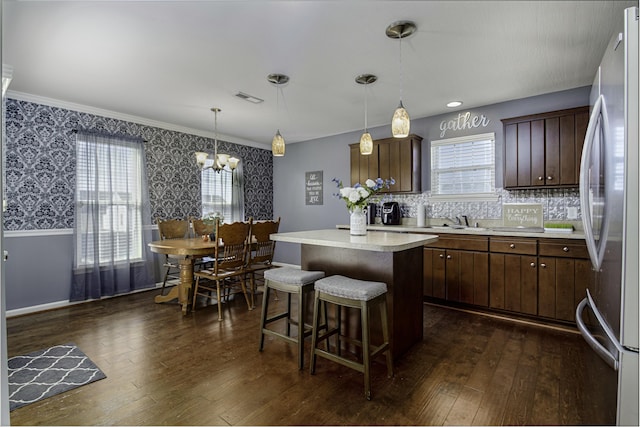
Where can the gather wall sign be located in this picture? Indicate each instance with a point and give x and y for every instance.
(463, 121)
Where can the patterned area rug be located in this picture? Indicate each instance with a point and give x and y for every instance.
(45, 373)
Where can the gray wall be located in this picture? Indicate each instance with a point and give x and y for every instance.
(331, 155)
(40, 185)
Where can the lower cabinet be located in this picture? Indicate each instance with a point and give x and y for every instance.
(460, 274)
(564, 274)
(541, 277)
(514, 283)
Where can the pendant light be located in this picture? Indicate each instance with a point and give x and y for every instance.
(278, 144)
(400, 122)
(219, 160)
(366, 143)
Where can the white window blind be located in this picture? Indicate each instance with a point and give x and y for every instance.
(217, 192)
(109, 202)
(463, 166)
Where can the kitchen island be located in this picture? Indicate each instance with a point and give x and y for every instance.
(392, 258)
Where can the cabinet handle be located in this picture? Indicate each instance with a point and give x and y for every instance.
(543, 265)
(441, 256)
(549, 178)
(540, 178)
(512, 246)
(566, 249)
(533, 264)
(448, 256)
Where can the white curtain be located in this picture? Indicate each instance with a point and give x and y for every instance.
(112, 215)
(223, 192)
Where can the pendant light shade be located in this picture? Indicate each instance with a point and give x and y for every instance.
(366, 143)
(278, 144)
(400, 122)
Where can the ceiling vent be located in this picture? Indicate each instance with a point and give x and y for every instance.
(249, 98)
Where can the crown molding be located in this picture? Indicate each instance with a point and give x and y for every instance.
(27, 97)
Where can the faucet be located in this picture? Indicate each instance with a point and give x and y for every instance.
(458, 220)
(455, 221)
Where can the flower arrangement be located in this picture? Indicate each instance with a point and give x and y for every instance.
(358, 195)
(211, 217)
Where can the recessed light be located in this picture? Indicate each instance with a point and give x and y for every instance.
(454, 104)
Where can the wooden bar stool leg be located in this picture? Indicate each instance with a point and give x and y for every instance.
(301, 329)
(288, 314)
(385, 337)
(263, 316)
(366, 351)
(314, 333)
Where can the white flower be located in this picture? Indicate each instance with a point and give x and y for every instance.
(354, 196)
(344, 192)
(370, 183)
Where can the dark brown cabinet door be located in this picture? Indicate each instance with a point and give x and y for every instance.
(513, 283)
(544, 149)
(434, 273)
(474, 278)
(459, 276)
(397, 158)
(562, 284)
(538, 154)
(362, 167)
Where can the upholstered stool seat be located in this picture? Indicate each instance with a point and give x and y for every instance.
(293, 282)
(364, 295)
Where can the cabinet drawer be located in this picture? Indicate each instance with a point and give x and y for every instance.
(465, 243)
(564, 249)
(514, 246)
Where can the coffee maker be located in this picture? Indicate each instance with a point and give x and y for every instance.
(390, 213)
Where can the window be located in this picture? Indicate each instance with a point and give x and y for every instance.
(217, 192)
(463, 166)
(108, 201)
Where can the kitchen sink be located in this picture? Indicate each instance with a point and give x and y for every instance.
(456, 227)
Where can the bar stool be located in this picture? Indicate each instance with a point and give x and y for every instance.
(360, 294)
(291, 281)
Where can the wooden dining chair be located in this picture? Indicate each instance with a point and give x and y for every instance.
(201, 228)
(229, 265)
(172, 229)
(261, 253)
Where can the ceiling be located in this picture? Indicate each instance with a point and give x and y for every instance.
(171, 61)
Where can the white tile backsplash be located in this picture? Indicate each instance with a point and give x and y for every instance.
(554, 203)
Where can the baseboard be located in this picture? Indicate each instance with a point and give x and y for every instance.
(507, 318)
(61, 304)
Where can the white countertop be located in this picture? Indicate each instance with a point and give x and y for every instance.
(470, 230)
(379, 241)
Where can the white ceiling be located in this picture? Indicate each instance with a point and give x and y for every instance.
(171, 61)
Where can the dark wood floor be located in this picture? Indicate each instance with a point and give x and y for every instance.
(166, 369)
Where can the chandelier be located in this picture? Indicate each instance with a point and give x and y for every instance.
(219, 160)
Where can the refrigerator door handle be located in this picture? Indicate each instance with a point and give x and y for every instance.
(599, 109)
(600, 350)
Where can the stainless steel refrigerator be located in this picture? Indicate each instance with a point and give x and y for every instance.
(608, 315)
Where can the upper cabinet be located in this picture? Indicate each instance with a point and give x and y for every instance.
(397, 158)
(544, 150)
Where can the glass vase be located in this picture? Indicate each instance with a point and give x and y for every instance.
(358, 222)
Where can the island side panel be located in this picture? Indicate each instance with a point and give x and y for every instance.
(401, 271)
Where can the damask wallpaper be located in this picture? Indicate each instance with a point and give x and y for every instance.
(40, 167)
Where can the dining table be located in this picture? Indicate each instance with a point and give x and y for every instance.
(188, 250)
